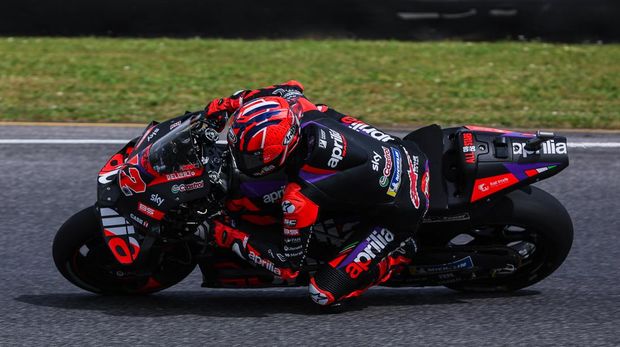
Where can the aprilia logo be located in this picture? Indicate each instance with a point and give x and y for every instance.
(273, 196)
(548, 147)
(362, 127)
(338, 151)
(265, 263)
(374, 244)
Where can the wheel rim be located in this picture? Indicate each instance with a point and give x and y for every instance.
(93, 268)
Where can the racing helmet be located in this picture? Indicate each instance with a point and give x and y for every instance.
(263, 133)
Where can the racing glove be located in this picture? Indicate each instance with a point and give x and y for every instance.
(218, 110)
(299, 213)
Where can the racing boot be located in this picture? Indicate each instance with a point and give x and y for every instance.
(359, 267)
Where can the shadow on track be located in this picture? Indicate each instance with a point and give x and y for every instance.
(248, 303)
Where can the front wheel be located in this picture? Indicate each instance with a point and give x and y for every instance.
(83, 258)
(531, 220)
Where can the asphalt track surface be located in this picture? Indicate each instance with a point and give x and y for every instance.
(43, 184)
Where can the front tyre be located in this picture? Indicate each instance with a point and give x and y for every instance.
(530, 216)
(83, 258)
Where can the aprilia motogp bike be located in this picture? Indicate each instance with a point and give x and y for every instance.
(487, 228)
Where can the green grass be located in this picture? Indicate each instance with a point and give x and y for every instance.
(383, 82)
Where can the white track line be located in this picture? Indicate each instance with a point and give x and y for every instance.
(60, 141)
(122, 141)
(67, 141)
(594, 144)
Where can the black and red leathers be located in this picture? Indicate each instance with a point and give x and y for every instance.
(341, 165)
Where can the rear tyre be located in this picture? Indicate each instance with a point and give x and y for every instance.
(541, 220)
(83, 258)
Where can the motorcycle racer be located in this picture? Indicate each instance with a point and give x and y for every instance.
(334, 164)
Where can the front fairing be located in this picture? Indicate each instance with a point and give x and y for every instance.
(135, 182)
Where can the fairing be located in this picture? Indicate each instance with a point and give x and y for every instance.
(143, 181)
(495, 160)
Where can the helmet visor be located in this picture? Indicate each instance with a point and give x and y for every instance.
(249, 162)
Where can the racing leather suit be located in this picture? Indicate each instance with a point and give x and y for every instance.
(341, 165)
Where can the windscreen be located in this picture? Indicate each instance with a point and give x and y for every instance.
(177, 150)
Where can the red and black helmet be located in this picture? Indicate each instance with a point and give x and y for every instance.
(263, 133)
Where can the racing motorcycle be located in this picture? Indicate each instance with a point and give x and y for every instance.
(487, 227)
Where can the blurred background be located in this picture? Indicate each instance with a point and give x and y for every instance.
(554, 20)
(518, 63)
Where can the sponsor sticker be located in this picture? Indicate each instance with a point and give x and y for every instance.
(291, 232)
(376, 157)
(175, 124)
(175, 176)
(232, 138)
(139, 220)
(383, 181)
(489, 185)
(290, 222)
(469, 148)
(289, 135)
(183, 188)
(152, 134)
(387, 168)
(265, 170)
(157, 199)
(287, 93)
(288, 207)
(412, 170)
(396, 175)
(461, 264)
(322, 139)
(150, 211)
(364, 128)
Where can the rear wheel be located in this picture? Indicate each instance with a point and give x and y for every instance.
(532, 222)
(83, 258)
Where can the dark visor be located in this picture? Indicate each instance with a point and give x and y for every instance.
(249, 162)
